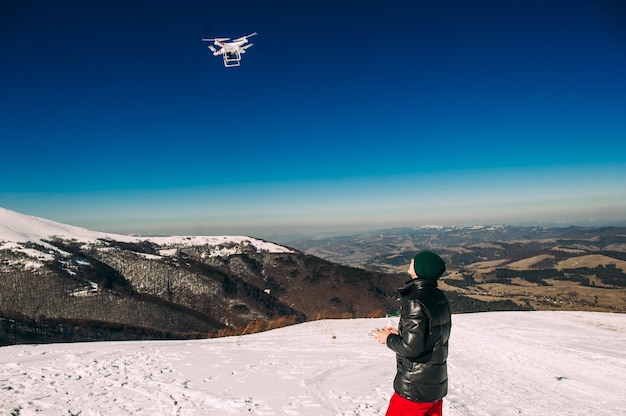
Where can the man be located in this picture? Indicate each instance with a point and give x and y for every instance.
(421, 341)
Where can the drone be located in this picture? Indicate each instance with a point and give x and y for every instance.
(230, 51)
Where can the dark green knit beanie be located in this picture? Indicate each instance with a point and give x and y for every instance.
(428, 265)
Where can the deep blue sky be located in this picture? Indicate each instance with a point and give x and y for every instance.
(344, 114)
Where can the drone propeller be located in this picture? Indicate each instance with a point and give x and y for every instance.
(245, 37)
(214, 39)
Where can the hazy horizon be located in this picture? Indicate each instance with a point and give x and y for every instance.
(274, 235)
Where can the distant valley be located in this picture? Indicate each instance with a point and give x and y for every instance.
(569, 268)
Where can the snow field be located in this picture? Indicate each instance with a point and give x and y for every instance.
(501, 363)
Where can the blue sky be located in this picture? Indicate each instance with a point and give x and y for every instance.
(343, 116)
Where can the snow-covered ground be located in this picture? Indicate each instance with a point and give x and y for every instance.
(501, 363)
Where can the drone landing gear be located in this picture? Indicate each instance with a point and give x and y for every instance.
(232, 59)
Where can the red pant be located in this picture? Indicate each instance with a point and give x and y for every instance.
(399, 406)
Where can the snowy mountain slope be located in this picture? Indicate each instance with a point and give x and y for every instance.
(59, 282)
(500, 364)
(16, 229)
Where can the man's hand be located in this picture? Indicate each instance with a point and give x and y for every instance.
(382, 334)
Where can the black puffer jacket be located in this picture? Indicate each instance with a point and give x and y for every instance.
(422, 346)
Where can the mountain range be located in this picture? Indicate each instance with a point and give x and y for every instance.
(60, 282)
(64, 283)
(538, 268)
